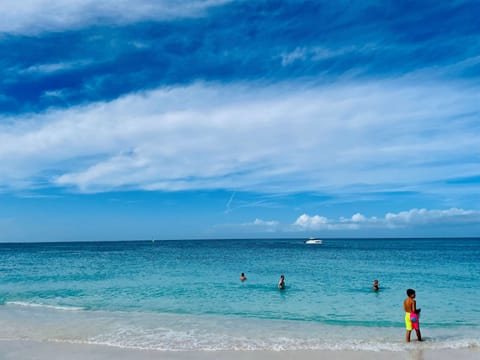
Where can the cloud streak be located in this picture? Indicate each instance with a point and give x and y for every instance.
(287, 138)
(35, 16)
(90, 53)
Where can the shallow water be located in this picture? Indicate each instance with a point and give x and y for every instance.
(186, 295)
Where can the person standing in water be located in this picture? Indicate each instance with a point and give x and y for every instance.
(375, 286)
(243, 277)
(281, 282)
(412, 315)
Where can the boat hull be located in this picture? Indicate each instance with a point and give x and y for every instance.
(313, 242)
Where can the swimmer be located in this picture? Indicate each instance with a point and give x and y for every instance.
(375, 285)
(281, 282)
(412, 315)
(243, 277)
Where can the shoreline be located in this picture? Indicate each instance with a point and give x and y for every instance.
(26, 349)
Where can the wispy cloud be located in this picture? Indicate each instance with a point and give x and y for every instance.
(256, 226)
(255, 202)
(266, 223)
(120, 47)
(34, 16)
(321, 53)
(54, 68)
(228, 206)
(386, 135)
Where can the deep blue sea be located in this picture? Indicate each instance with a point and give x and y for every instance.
(186, 295)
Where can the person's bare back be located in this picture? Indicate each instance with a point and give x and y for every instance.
(409, 305)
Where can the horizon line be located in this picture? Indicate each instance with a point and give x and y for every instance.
(247, 239)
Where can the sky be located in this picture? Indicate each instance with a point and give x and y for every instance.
(199, 119)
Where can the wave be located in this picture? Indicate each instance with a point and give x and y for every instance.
(170, 332)
(45, 306)
(285, 345)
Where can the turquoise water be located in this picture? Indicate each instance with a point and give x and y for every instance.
(186, 295)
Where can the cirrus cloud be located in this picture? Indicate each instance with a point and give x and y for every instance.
(288, 138)
(34, 16)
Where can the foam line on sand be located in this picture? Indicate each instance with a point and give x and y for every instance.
(19, 350)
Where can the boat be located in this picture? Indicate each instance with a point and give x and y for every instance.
(313, 241)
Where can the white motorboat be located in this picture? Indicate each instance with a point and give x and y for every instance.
(313, 241)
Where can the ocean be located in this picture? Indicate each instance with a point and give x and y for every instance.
(186, 295)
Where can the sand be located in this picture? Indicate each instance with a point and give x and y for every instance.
(19, 350)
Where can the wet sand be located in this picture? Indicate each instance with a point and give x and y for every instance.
(19, 350)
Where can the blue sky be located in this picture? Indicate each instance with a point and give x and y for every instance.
(231, 119)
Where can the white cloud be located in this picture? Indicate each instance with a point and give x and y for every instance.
(404, 219)
(358, 218)
(307, 222)
(285, 138)
(34, 16)
(424, 216)
(270, 223)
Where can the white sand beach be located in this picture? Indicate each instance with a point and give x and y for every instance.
(23, 350)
